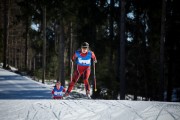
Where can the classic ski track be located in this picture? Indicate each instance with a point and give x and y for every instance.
(160, 111)
(123, 105)
(35, 110)
(70, 109)
(149, 110)
(170, 112)
(14, 108)
(35, 115)
(160, 107)
(58, 115)
(109, 108)
(105, 111)
(49, 110)
(86, 105)
(87, 109)
(164, 109)
(39, 107)
(132, 110)
(27, 116)
(100, 114)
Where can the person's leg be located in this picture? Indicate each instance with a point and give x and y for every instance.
(74, 80)
(85, 79)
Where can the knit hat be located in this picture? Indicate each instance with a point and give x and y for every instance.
(85, 45)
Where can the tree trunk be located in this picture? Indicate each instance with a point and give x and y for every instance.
(26, 40)
(163, 18)
(170, 76)
(70, 46)
(44, 45)
(61, 54)
(93, 29)
(111, 22)
(6, 22)
(122, 51)
(26, 46)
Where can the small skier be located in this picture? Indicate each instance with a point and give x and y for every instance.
(82, 57)
(58, 90)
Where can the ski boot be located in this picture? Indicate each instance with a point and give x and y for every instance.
(88, 94)
(67, 93)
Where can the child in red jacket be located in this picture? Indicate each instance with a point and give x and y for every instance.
(82, 58)
(58, 90)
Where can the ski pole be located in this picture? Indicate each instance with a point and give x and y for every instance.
(71, 70)
(94, 76)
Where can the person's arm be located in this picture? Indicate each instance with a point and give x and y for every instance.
(52, 92)
(94, 57)
(74, 57)
(64, 89)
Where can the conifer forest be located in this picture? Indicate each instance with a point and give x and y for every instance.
(136, 43)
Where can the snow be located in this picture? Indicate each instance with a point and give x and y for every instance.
(14, 86)
(24, 99)
(11, 67)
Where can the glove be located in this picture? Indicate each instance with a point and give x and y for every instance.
(95, 61)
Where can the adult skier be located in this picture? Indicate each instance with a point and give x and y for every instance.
(82, 57)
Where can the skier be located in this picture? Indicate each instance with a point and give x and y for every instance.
(58, 90)
(83, 61)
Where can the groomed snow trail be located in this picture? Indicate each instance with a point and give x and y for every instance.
(24, 99)
(87, 110)
(14, 86)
